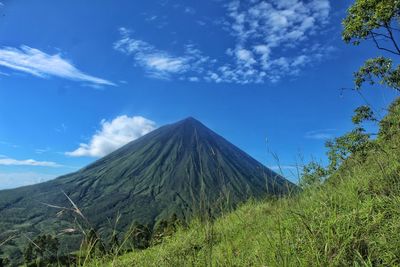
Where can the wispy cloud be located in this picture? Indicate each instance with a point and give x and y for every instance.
(158, 21)
(184, 8)
(113, 135)
(16, 179)
(272, 40)
(35, 62)
(201, 23)
(61, 129)
(323, 134)
(42, 150)
(8, 144)
(189, 10)
(157, 63)
(283, 167)
(27, 162)
(151, 18)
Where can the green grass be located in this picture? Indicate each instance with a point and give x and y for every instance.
(353, 219)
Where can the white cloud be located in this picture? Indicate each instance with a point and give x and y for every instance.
(42, 150)
(27, 162)
(189, 10)
(157, 63)
(165, 63)
(262, 49)
(193, 79)
(61, 129)
(152, 18)
(113, 135)
(37, 63)
(16, 179)
(283, 167)
(272, 39)
(320, 134)
(245, 56)
(157, 21)
(8, 144)
(277, 32)
(201, 23)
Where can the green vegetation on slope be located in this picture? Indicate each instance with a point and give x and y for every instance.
(182, 168)
(350, 220)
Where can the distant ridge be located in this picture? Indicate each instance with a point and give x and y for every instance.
(174, 169)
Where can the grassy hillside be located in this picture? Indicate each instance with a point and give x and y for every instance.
(353, 219)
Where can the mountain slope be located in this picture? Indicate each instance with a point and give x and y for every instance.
(179, 168)
(350, 220)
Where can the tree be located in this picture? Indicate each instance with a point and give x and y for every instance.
(93, 244)
(165, 228)
(159, 232)
(28, 253)
(4, 262)
(141, 236)
(339, 149)
(362, 114)
(390, 127)
(376, 20)
(114, 243)
(43, 249)
(313, 174)
(356, 142)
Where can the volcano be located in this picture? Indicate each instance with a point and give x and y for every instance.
(177, 169)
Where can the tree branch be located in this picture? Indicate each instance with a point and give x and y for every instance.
(392, 38)
(394, 29)
(389, 26)
(380, 34)
(383, 48)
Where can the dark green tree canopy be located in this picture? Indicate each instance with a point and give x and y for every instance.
(363, 113)
(43, 249)
(373, 19)
(380, 68)
(376, 20)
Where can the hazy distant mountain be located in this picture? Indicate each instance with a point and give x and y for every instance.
(179, 168)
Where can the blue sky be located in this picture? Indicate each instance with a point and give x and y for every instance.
(79, 79)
